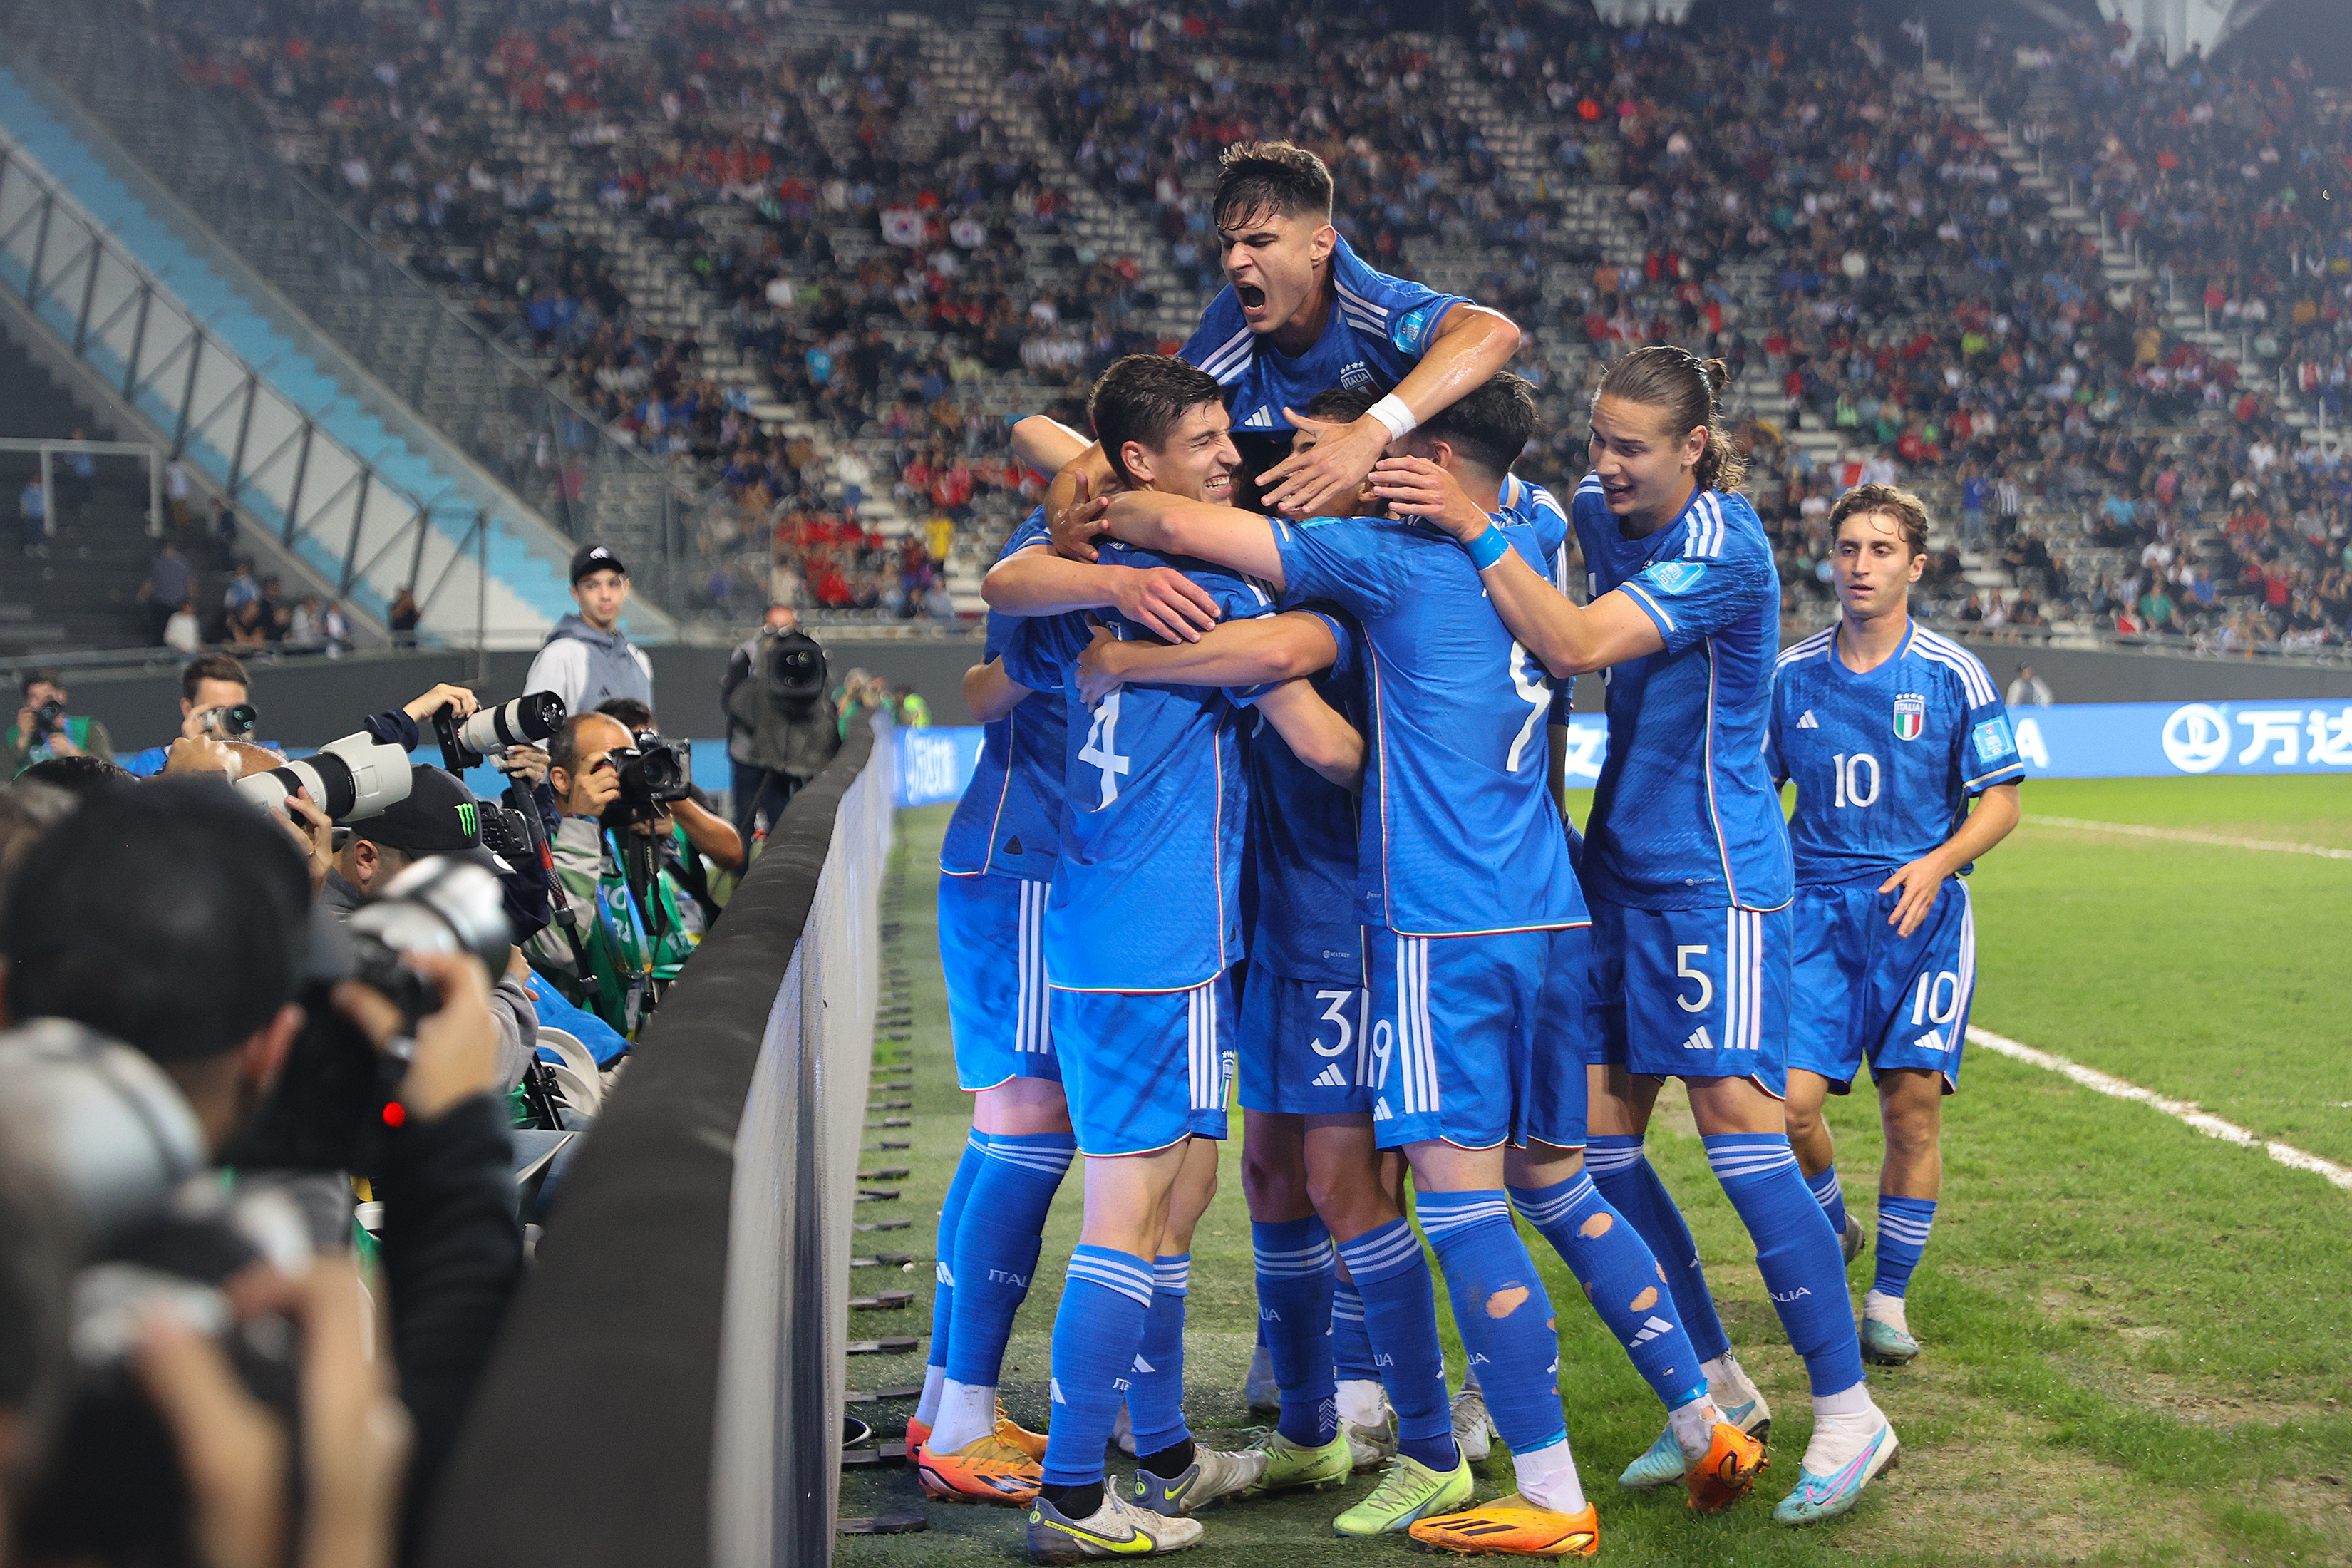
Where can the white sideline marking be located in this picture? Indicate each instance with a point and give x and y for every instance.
(2190, 835)
(2184, 1109)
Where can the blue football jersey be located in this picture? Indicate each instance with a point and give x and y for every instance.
(1008, 823)
(1300, 894)
(1535, 506)
(1685, 816)
(1460, 836)
(1378, 328)
(1884, 760)
(1147, 893)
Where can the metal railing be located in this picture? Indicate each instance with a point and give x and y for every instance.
(483, 398)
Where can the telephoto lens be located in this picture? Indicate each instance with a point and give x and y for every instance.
(350, 780)
(234, 722)
(525, 722)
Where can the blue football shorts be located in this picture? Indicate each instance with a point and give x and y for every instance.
(1476, 1038)
(1144, 1069)
(992, 955)
(1691, 992)
(1865, 994)
(1304, 1046)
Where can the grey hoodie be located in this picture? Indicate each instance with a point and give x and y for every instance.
(586, 666)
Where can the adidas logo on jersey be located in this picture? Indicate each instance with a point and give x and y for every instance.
(1808, 722)
(1331, 1077)
(1261, 420)
(1380, 1112)
(1700, 1040)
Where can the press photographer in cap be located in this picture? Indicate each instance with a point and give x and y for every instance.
(174, 918)
(440, 817)
(587, 658)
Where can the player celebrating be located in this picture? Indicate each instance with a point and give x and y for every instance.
(1687, 862)
(1300, 312)
(1887, 730)
(1477, 937)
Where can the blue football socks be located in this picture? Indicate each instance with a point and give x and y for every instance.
(997, 1246)
(1296, 1272)
(1830, 1196)
(1400, 1299)
(975, 1155)
(1623, 1174)
(1096, 1332)
(1155, 1404)
(1795, 1251)
(1903, 1228)
(1502, 1314)
(1622, 1277)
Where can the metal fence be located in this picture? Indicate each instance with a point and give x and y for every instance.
(481, 397)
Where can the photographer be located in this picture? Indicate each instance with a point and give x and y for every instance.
(174, 918)
(781, 727)
(440, 817)
(43, 731)
(698, 828)
(215, 703)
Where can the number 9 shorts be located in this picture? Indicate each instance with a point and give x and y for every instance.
(1691, 993)
(1476, 1039)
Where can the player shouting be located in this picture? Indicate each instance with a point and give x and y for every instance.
(1688, 866)
(1888, 730)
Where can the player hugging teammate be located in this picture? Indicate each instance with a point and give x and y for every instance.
(1323, 732)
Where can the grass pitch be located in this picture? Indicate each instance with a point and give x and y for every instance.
(2136, 1335)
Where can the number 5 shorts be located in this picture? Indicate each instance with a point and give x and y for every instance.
(1474, 1040)
(1144, 1069)
(1306, 1045)
(1864, 993)
(1691, 992)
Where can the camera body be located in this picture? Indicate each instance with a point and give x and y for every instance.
(654, 772)
(49, 718)
(794, 667)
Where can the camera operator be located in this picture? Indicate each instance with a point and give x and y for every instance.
(174, 918)
(216, 703)
(440, 817)
(781, 726)
(43, 731)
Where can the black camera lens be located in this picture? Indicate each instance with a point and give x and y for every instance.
(50, 715)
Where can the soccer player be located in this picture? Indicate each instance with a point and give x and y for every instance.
(996, 865)
(1301, 312)
(1476, 935)
(1888, 730)
(1142, 929)
(1687, 862)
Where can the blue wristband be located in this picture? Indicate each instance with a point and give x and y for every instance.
(1487, 548)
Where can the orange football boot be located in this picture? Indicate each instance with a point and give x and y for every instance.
(985, 1470)
(1511, 1526)
(1728, 1471)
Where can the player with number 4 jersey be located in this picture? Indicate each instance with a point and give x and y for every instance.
(1888, 732)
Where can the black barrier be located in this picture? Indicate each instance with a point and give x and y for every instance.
(592, 1440)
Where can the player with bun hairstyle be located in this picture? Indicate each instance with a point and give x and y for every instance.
(1686, 867)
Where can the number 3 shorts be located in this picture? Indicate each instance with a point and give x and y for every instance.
(1304, 1046)
(1864, 993)
(1691, 992)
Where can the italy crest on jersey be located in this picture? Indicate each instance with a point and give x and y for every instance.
(1910, 716)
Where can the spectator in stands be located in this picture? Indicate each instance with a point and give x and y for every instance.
(33, 508)
(225, 531)
(175, 919)
(907, 709)
(2028, 690)
(37, 737)
(401, 618)
(210, 685)
(176, 494)
(170, 583)
(587, 658)
(184, 633)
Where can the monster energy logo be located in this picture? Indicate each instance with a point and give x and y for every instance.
(466, 821)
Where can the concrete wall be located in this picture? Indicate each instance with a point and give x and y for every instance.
(306, 701)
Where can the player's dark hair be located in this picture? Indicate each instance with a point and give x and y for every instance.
(1688, 388)
(1265, 178)
(1488, 426)
(1343, 404)
(1909, 512)
(1143, 398)
(80, 776)
(172, 917)
(211, 666)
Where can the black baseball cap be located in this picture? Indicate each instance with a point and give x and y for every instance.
(440, 817)
(596, 558)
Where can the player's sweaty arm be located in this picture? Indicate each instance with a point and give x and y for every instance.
(1472, 343)
(1998, 810)
(1047, 445)
(990, 693)
(1570, 638)
(1316, 734)
(1034, 581)
(1239, 653)
(1172, 525)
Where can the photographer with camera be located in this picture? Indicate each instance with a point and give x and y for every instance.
(43, 731)
(174, 918)
(440, 817)
(214, 704)
(692, 819)
(781, 728)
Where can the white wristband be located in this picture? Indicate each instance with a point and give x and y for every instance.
(1392, 412)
